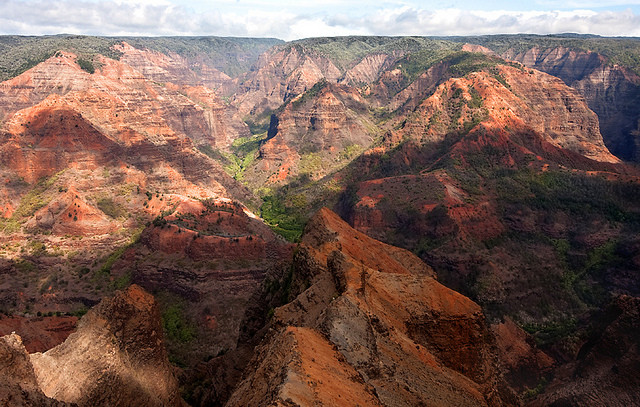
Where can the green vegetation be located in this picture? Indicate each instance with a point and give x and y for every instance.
(350, 152)
(122, 282)
(104, 272)
(105, 269)
(19, 53)
(260, 124)
(177, 327)
(580, 195)
(111, 208)
(416, 63)
(37, 248)
(214, 154)
(86, 65)
(621, 51)
(283, 219)
(548, 333)
(310, 163)
(463, 63)
(530, 394)
(244, 151)
(310, 94)
(347, 51)
(24, 266)
(33, 200)
(231, 55)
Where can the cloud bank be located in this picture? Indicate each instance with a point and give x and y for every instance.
(37, 17)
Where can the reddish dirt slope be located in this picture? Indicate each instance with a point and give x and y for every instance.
(407, 336)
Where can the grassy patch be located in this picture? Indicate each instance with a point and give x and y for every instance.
(282, 219)
(345, 52)
(177, 327)
(245, 150)
(621, 51)
(550, 332)
(111, 208)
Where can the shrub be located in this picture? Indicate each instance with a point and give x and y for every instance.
(86, 65)
(176, 326)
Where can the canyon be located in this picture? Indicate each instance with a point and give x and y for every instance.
(330, 221)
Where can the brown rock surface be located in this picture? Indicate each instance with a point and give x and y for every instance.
(212, 255)
(39, 334)
(367, 70)
(87, 159)
(612, 91)
(18, 385)
(439, 185)
(116, 357)
(300, 367)
(532, 99)
(525, 364)
(172, 68)
(315, 136)
(409, 338)
(280, 74)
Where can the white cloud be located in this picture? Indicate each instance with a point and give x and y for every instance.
(147, 17)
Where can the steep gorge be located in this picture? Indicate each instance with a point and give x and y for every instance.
(612, 91)
(153, 169)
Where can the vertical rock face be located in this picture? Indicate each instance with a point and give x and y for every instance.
(315, 134)
(525, 365)
(58, 75)
(612, 92)
(375, 316)
(18, 385)
(80, 151)
(280, 74)
(367, 70)
(172, 68)
(116, 357)
(118, 98)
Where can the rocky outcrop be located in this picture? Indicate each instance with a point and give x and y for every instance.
(46, 139)
(57, 75)
(525, 365)
(611, 91)
(18, 385)
(118, 98)
(447, 184)
(301, 367)
(172, 68)
(116, 357)
(367, 70)
(103, 136)
(360, 306)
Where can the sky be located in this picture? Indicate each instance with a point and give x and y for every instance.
(291, 19)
